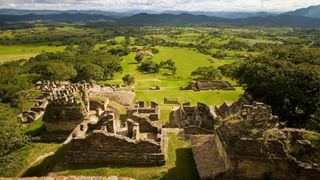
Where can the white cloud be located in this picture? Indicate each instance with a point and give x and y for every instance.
(159, 5)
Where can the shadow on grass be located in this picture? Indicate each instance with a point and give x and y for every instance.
(185, 166)
(46, 165)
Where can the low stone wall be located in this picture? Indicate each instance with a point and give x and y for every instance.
(63, 118)
(101, 147)
(145, 124)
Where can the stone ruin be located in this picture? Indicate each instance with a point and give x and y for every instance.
(171, 101)
(252, 145)
(203, 85)
(64, 111)
(49, 91)
(142, 110)
(194, 120)
(35, 112)
(120, 94)
(229, 109)
(112, 142)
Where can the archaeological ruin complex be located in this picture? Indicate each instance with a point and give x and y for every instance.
(235, 140)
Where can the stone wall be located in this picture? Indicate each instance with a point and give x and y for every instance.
(195, 119)
(257, 158)
(145, 124)
(101, 147)
(63, 117)
(152, 112)
(208, 85)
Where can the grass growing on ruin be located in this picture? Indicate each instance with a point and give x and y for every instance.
(35, 128)
(28, 155)
(180, 165)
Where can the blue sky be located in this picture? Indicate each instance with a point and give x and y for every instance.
(160, 5)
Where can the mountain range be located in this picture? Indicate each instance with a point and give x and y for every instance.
(306, 17)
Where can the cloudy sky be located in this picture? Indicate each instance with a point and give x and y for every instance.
(160, 5)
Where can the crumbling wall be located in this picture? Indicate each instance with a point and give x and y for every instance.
(145, 124)
(208, 85)
(96, 102)
(101, 147)
(257, 158)
(63, 117)
(195, 119)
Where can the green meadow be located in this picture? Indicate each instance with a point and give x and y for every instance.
(17, 52)
(186, 60)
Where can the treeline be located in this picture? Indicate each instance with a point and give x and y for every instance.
(74, 64)
(288, 79)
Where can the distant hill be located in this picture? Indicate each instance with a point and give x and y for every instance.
(164, 19)
(170, 19)
(190, 19)
(64, 17)
(312, 11)
(226, 14)
(50, 12)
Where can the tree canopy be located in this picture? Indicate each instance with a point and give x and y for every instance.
(206, 73)
(286, 78)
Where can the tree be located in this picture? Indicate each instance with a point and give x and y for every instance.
(54, 70)
(149, 66)
(11, 139)
(170, 65)
(128, 79)
(138, 58)
(154, 50)
(206, 73)
(220, 54)
(229, 70)
(90, 71)
(288, 79)
(86, 46)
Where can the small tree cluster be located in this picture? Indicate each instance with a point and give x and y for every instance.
(128, 79)
(170, 65)
(206, 73)
(149, 66)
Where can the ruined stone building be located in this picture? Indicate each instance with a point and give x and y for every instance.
(65, 110)
(110, 142)
(120, 94)
(194, 120)
(229, 109)
(253, 146)
(203, 85)
(142, 110)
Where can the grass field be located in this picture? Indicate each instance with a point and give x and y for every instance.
(187, 60)
(180, 165)
(17, 52)
(28, 155)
